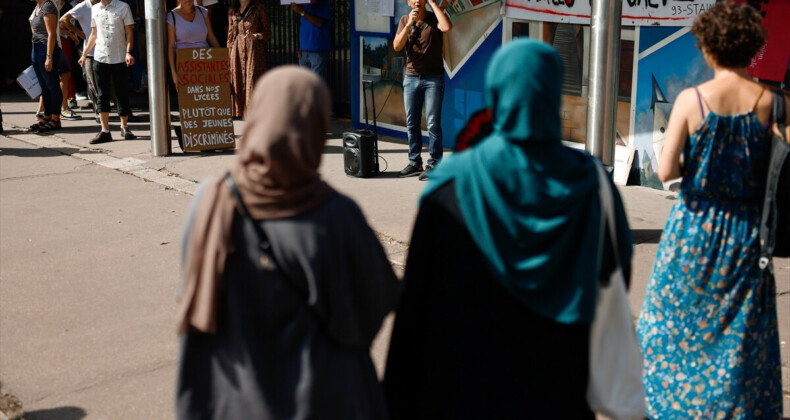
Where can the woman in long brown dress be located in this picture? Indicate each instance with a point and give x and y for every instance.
(247, 33)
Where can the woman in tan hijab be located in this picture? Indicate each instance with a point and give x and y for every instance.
(278, 308)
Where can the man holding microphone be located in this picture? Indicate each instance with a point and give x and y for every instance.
(421, 34)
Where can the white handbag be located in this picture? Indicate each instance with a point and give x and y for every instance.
(615, 387)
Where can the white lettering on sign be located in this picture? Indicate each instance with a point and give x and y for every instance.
(200, 112)
(226, 122)
(208, 139)
(634, 12)
(204, 98)
(201, 54)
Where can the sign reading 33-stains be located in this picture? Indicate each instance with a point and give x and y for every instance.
(204, 97)
(635, 12)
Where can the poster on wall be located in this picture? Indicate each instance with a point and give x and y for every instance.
(666, 67)
(773, 61)
(385, 68)
(634, 12)
(365, 21)
(204, 98)
(473, 21)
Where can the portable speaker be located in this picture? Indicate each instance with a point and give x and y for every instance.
(360, 148)
(359, 154)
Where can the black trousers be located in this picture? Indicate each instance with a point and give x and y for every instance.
(108, 75)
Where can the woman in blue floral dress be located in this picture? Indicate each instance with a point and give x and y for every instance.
(708, 327)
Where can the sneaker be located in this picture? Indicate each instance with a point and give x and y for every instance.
(102, 137)
(73, 103)
(410, 170)
(127, 134)
(424, 175)
(69, 114)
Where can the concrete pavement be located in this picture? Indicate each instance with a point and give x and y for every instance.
(89, 252)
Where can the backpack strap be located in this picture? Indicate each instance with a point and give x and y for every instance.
(268, 257)
(779, 153)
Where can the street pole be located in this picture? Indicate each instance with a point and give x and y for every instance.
(157, 87)
(604, 67)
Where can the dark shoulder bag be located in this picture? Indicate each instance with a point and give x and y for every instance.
(775, 218)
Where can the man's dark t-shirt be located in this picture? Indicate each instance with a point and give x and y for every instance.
(423, 47)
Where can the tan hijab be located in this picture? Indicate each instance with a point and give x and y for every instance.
(276, 170)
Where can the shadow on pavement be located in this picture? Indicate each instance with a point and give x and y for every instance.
(42, 152)
(646, 236)
(59, 413)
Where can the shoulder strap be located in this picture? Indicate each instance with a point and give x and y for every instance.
(700, 99)
(754, 108)
(268, 258)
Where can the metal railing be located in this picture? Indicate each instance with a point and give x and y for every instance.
(284, 45)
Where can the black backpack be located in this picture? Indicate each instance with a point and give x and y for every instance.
(775, 219)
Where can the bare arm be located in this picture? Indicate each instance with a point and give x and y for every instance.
(786, 135)
(315, 20)
(51, 22)
(90, 43)
(171, 53)
(212, 40)
(676, 136)
(400, 38)
(65, 23)
(444, 22)
(129, 44)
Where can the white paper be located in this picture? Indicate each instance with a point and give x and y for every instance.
(623, 159)
(381, 7)
(29, 82)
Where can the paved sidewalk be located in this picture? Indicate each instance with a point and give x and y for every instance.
(89, 255)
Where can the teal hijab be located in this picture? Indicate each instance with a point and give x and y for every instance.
(530, 203)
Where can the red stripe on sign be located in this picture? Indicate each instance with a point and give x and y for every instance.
(658, 17)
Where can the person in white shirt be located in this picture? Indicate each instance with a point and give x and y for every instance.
(113, 39)
(82, 14)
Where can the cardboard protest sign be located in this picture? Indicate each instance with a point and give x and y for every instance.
(204, 98)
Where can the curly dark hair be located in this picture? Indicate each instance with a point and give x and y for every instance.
(731, 33)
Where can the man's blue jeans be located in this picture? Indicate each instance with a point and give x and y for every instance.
(315, 61)
(428, 90)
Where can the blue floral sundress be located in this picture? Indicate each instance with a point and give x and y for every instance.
(708, 326)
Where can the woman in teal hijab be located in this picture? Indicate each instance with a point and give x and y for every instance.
(501, 278)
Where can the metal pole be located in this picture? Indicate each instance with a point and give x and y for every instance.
(604, 67)
(157, 86)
